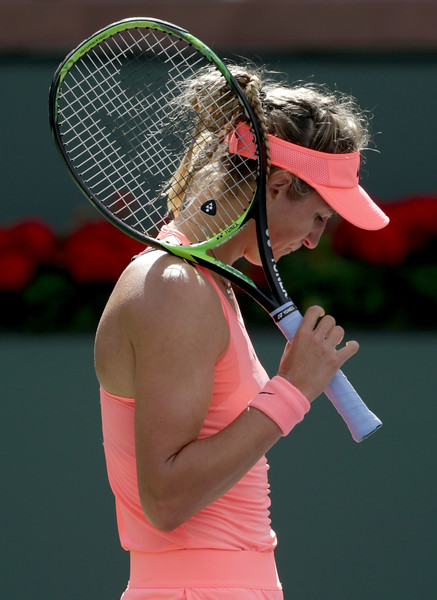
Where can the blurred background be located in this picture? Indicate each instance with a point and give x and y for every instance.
(353, 520)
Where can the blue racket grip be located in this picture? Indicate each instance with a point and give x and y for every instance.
(359, 419)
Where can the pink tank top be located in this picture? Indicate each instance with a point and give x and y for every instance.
(239, 520)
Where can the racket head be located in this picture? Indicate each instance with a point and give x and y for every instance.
(128, 119)
(136, 124)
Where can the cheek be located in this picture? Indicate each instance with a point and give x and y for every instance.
(286, 231)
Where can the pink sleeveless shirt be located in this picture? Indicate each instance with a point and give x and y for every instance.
(239, 520)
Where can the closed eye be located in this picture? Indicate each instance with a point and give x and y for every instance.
(325, 218)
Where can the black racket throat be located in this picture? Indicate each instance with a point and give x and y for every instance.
(278, 294)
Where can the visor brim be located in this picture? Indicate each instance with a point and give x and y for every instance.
(354, 205)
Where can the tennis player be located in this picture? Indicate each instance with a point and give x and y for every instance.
(188, 411)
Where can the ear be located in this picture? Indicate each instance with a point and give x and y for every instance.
(278, 182)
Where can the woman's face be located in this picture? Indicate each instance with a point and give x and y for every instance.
(296, 223)
(293, 223)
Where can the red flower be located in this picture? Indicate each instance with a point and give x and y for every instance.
(417, 217)
(98, 252)
(36, 239)
(17, 269)
(22, 248)
(413, 224)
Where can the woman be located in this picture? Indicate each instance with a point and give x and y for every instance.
(188, 411)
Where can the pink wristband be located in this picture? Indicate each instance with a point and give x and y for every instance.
(282, 402)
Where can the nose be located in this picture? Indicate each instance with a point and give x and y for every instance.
(313, 238)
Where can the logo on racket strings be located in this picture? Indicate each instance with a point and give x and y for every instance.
(209, 208)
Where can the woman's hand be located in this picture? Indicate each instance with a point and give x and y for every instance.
(311, 360)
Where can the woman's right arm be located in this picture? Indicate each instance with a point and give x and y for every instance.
(179, 332)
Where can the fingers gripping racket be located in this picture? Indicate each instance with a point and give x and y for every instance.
(144, 115)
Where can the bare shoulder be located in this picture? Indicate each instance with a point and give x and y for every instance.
(159, 303)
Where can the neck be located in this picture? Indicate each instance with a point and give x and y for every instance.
(235, 248)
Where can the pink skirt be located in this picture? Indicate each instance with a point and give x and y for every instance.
(202, 574)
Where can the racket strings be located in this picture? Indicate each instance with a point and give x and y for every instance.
(107, 161)
(215, 122)
(140, 149)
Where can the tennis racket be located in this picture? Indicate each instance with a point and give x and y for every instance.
(150, 147)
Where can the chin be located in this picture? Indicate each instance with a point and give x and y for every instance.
(278, 255)
(254, 259)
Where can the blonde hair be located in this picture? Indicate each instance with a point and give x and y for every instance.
(305, 114)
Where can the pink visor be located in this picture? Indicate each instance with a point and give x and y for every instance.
(333, 176)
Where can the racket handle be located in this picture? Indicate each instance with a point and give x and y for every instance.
(359, 419)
